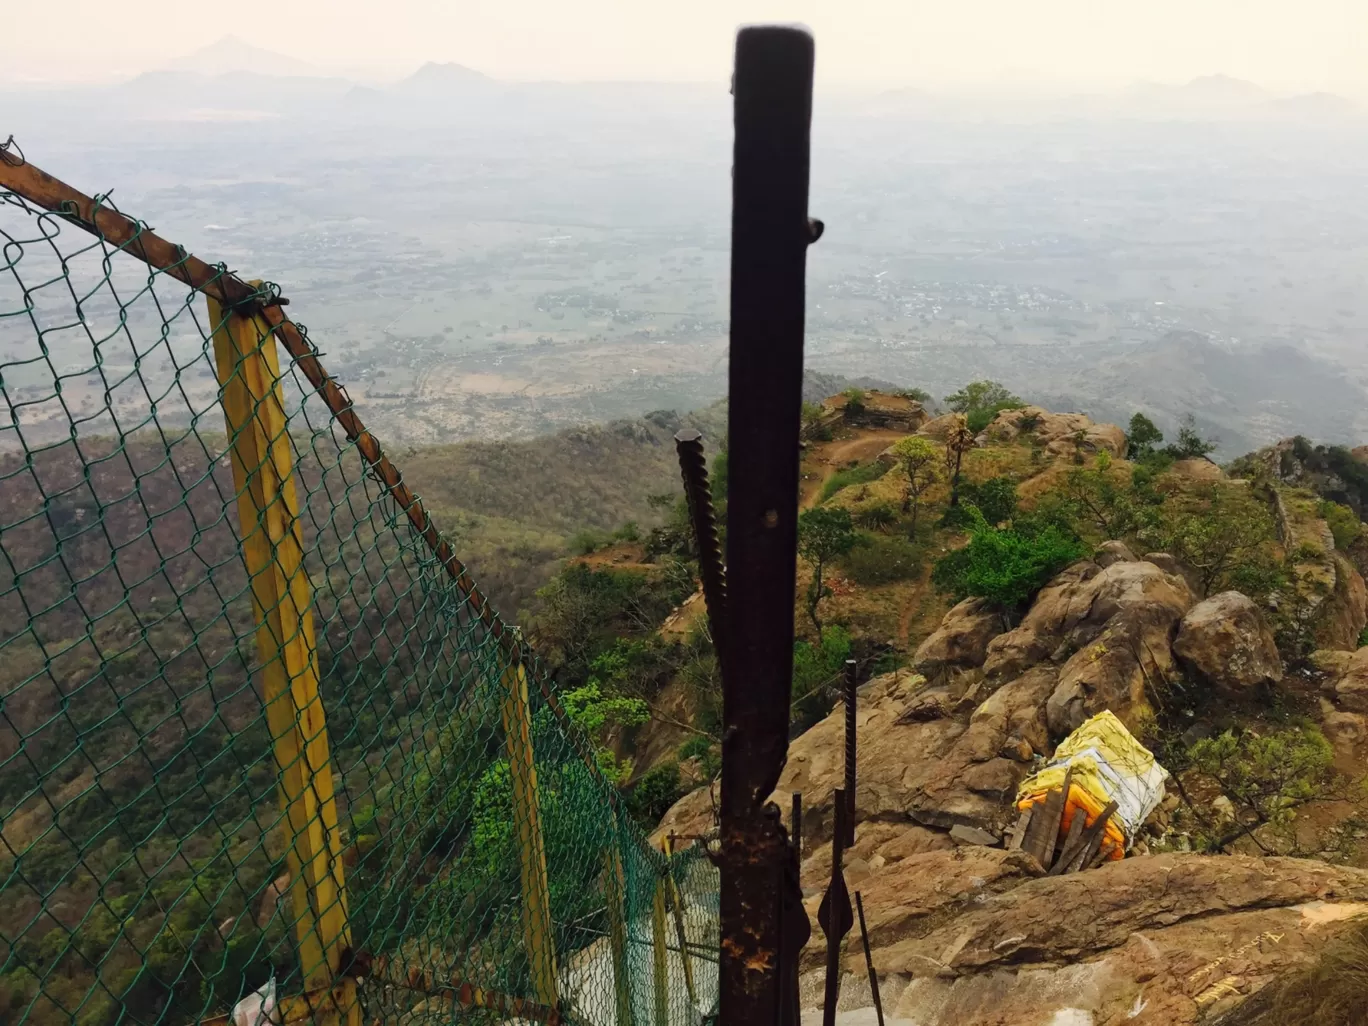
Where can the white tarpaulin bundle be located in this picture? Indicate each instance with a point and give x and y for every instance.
(1108, 765)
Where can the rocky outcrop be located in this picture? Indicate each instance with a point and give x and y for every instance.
(1351, 688)
(1227, 642)
(1110, 628)
(1113, 551)
(940, 427)
(1171, 939)
(1061, 434)
(883, 410)
(1201, 470)
(1345, 612)
(961, 640)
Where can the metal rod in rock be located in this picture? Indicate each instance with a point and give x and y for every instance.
(761, 916)
(835, 915)
(693, 467)
(850, 686)
(869, 960)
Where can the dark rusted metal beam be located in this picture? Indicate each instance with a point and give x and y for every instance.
(770, 235)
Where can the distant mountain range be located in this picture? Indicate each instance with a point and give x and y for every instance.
(231, 54)
(233, 73)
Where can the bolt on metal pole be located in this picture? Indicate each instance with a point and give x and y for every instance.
(762, 921)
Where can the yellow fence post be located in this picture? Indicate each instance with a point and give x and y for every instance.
(614, 891)
(677, 903)
(527, 825)
(282, 596)
(661, 965)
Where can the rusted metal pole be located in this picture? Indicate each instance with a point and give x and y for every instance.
(770, 236)
(693, 467)
(835, 915)
(850, 686)
(869, 961)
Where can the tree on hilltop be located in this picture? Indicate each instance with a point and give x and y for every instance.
(981, 401)
(917, 457)
(824, 533)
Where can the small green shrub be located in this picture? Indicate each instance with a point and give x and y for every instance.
(1005, 566)
(695, 747)
(995, 498)
(1344, 523)
(861, 474)
(587, 541)
(817, 669)
(653, 795)
(879, 559)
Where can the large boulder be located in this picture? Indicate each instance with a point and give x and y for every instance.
(961, 640)
(975, 780)
(1077, 605)
(1351, 689)
(926, 754)
(975, 937)
(896, 753)
(940, 427)
(1115, 670)
(1227, 641)
(1061, 434)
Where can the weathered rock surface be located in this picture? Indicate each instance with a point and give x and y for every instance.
(1110, 627)
(1344, 613)
(1228, 642)
(961, 640)
(1201, 469)
(940, 427)
(1113, 551)
(1351, 690)
(1057, 431)
(1168, 939)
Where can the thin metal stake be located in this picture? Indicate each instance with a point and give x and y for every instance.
(850, 685)
(835, 914)
(869, 960)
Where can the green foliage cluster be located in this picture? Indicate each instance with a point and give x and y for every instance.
(653, 795)
(1142, 438)
(862, 473)
(981, 401)
(855, 401)
(824, 533)
(583, 610)
(1267, 777)
(877, 559)
(817, 671)
(1007, 566)
(1222, 533)
(1345, 525)
(995, 498)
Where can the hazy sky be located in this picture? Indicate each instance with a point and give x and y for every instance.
(1287, 45)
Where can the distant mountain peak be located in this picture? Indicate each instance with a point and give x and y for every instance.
(437, 76)
(1227, 85)
(234, 54)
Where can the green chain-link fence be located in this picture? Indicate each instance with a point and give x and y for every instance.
(258, 733)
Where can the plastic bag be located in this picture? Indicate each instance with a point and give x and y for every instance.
(258, 1008)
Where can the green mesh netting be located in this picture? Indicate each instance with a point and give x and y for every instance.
(144, 870)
